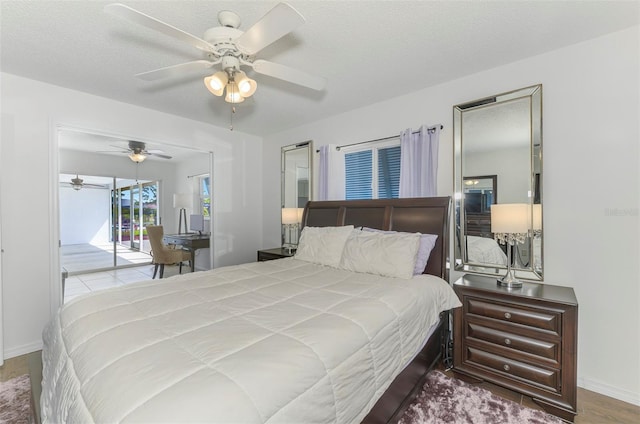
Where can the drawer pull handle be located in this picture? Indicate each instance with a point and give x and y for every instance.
(507, 341)
(506, 367)
(507, 315)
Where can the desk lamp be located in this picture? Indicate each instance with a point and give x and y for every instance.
(182, 201)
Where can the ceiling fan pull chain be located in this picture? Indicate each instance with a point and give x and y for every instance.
(233, 110)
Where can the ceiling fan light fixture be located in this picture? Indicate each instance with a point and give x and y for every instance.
(233, 94)
(246, 86)
(216, 83)
(76, 183)
(137, 157)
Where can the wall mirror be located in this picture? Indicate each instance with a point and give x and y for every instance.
(296, 188)
(498, 159)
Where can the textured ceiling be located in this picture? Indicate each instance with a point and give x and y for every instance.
(357, 45)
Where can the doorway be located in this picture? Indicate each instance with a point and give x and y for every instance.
(103, 222)
(134, 208)
(147, 187)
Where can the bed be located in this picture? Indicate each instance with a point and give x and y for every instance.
(290, 340)
(484, 250)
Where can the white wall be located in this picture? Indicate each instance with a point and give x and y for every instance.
(591, 185)
(76, 225)
(31, 114)
(513, 183)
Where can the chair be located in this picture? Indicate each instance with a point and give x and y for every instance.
(163, 254)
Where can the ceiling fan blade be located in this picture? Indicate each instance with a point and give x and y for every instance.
(289, 74)
(175, 70)
(279, 21)
(140, 18)
(158, 155)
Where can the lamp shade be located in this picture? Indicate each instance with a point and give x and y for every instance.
(289, 216)
(510, 218)
(216, 83)
(233, 94)
(137, 157)
(182, 200)
(300, 212)
(246, 85)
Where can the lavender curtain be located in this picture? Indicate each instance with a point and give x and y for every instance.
(331, 173)
(419, 162)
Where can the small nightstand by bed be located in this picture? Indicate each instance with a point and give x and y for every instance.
(276, 253)
(524, 339)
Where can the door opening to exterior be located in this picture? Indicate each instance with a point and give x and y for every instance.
(103, 222)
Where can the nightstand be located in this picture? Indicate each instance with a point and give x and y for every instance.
(277, 253)
(524, 339)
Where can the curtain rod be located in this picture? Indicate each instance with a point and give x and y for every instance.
(430, 129)
(198, 175)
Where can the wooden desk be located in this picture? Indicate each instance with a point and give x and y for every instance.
(190, 241)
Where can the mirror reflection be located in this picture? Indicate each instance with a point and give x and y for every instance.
(480, 192)
(498, 161)
(296, 189)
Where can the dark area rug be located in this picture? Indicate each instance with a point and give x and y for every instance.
(449, 400)
(15, 401)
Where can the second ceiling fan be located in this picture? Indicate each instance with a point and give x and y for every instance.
(231, 48)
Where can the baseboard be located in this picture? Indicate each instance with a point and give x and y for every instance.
(609, 390)
(22, 350)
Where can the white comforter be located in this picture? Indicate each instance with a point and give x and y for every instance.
(281, 341)
(482, 250)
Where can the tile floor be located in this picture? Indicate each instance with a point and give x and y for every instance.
(80, 284)
(85, 257)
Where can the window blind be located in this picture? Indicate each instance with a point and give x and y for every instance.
(389, 173)
(358, 175)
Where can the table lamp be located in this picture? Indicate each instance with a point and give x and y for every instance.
(510, 224)
(182, 201)
(290, 222)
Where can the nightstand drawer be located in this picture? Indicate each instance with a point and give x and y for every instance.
(544, 349)
(545, 320)
(548, 379)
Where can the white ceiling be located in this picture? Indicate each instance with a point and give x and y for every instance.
(106, 145)
(398, 46)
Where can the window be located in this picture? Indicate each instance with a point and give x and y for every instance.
(204, 195)
(373, 172)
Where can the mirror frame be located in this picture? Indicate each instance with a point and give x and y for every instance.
(534, 271)
(283, 172)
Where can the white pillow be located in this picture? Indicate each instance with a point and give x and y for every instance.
(391, 255)
(323, 245)
(427, 243)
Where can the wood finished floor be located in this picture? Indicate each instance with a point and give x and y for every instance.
(593, 408)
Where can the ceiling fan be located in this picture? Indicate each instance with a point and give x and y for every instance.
(138, 152)
(77, 183)
(231, 48)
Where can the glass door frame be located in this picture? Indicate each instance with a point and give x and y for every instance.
(137, 222)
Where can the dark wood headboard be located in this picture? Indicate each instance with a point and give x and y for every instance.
(427, 215)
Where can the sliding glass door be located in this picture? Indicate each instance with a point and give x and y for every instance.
(102, 227)
(135, 207)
